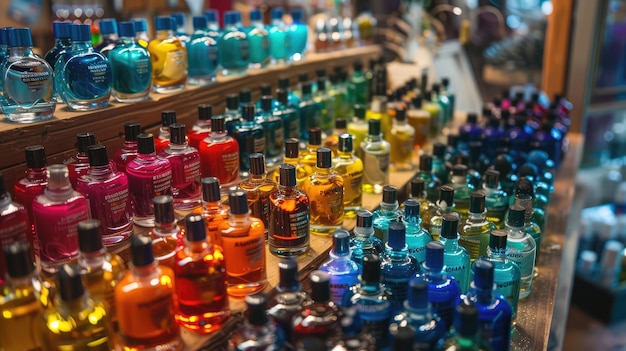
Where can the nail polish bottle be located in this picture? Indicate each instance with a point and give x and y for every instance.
(250, 137)
(141, 31)
(289, 299)
(148, 176)
(57, 213)
(163, 139)
(169, 57)
(232, 45)
(258, 41)
(375, 151)
(219, 155)
(309, 110)
(364, 241)
(79, 165)
(167, 236)
(343, 272)
(350, 168)
(388, 211)
(202, 128)
(416, 236)
(213, 211)
(131, 67)
(179, 27)
(319, 318)
(279, 38)
(33, 185)
(298, 36)
(61, 31)
(325, 189)
(443, 206)
(108, 30)
(201, 54)
(476, 229)
(259, 331)
(107, 192)
(455, 257)
(128, 152)
(14, 224)
(397, 266)
(259, 189)
(273, 129)
(289, 114)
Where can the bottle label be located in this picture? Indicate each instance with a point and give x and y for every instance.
(299, 224)
(117, 210)
(230, 162)
(260, 208)
(14, 227)
(248, 254)
(375, 318)
(259, 145)
(150, 315)
(472, 244)
(161, 183)
(510, 291)
(328, 206)
(174, 67)
(26, 84)
(99, 72)
(57, 230)
(339, 285)
(419, 253)
(525, 261)
(244, 48)
(376, 168)
(191, 168)
(143, 67)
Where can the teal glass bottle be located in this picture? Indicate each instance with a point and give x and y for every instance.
(298, 36)
(279, 38)
(397, 266)
(466, 335)
(289, 114)
(141, 31)
(455, 257)
(440, 169)
(364, 242)
(232, 46)
(358, 89)
(416, 236)
(258, 41)
(250, 138)
(387, 212)
(131, 68)
(82, 77)
(61, 31)
(201, 54)
(326, 106)
(521, 249)
(431, 181)
(274, 131)
(310, 112)
(343, 272)
(213, 25)
(496, 200)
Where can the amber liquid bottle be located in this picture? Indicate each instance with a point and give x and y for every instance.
(200, 275)
(259, 189)
(243, 240)
(289, 216)
(325, 190)
(292, 149)
(308, 156)
(213, 211)
(167, 236)
(145, 299)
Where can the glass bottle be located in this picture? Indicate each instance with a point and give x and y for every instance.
(494, 311)
(232, 46)
(167, 236)
(179, 27)
(101, 271)
(131, 68)
(505, 164)
(201, 54)
(163, 139)
(466, 335)
(243, 241)
(530, 226)
(419, 119)
(20, 309)
(146, 294)
(455, 258)
(388, 211)
(77, 321)
(496, 200)
(524, 189)
(350, 168)
(375, 158)
(200, 276)
(279, 38)
(219, 154)
(431, 105)
(462, 190)
(148, 177)
(470, 130)
(431, 181)
(364, 241)
(289, 115)
(298, 36)
(141, 31)
(342, 270)
(325, 190)
(28, 91)
(326, 108)
(292, 148)
(251, 138)
(129, 150)
(416, 236)
(397, 266)
(56, 214)
(521, 248)
(418, 193)
(78, 166)
(358, 90)
(417, 312)
(310, 112)
(308, 157)
(259, 331)
(401, 143)
(494, 135)
(169, 57)
(293, 95)
(213, 210)
(358, 128)
(372, 301)
(107, 193)
(378, 109)
(273, 129)
(108, 29)
(32, 185)
(202, 128)
(332, 138)
(259, 188)
(476, 229)
(289, 298)
(14, 224)
(61, 32)
(82, 76)
(258, 41)
(443, 206)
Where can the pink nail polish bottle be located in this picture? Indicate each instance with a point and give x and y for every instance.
(14, 225)
(107, 192)
(128, 152)
(79, 165)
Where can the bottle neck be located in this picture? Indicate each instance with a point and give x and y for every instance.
(194, 247)
(130, 146)
(477, 217)
(497, 254)
(19, 283)
(146, 158)
(20, 51)
(59, 195)
(257, 178)
(386, 207)
(100, 172)
(515, 232)
(178, 147)
(92, 260)
(363, 236)
(345, 155)
(146, 270)
(127, 40)
(483, 296)
(236, 220)
(450, 244)
(81, 45)
(374, 137)
(322, 172)
(166, 229)
(76, 305)
(36, 174)
(288, 191)
(217, 136)
(164, 34)
(211, 207)
(397, 255)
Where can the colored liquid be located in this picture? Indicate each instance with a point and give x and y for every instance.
(185, 163)
(288, 234)
(131, 71)
(169, 64)
(325, 191)
(219, 158)
(202, 57)
(101, 281)
(14, 226)
(233, 51)
(148, 177)
(351, 170)
(20, 320)
(259, 44)
(279, 43)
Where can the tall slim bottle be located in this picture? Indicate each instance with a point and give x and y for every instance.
(521, 248)
(342, 270)
(232, 46)
(401, 143)
(350, 168)
(375, 151)
(325, 189)
(219, 154)
(298, 36)
(129, 150)
(250, 136)
(455, 257)
(398, 266)
(259, 188)
(131, 68)
(258, 41)
(201, 54)
(530, 226)
(443, 206)
(259, 331)
(273, 128)
(416, 236)
(419, 119)
(388, 211)
(476, 229)
(496, 200)
(79, 166)
(169, 57)
(32, 185)
(310, 112)
(279, 38)
(213, 210)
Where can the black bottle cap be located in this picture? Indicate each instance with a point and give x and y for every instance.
(283, 83)
(450, 226)
(439, 150)
(397, 235)
(435, 87)
(516, 216)
(462, 158)
(245, 96)
(483, 273)
(320, 286)
(35, 156)
(466, 320)
(358, 66)
(315, 136)
(163, 209)
(266, 89)
(371, 268)
(477, 202)
(282, 96)
(446, 193)
(177, 134)
(141, 250)
(459, 170)
(503, 164)
(247, 111)
(492, 178)
(417, 187)
(400, 114)
(131, 130)
(426, 163)
(324, 158)
(364, 219)
(168, 118)
(288, 275)
(205, 112)
(373, 127)
(321, 84)
(291, 148)
(320, 72)
(303, 77)
(90, 236)
(411, 208)
(341, 123)
(232, 102)
(257, 308)
(238, 200)
(287, 175)
(359, 111)
(417, 101)
(210, 189)
(497, 239)
(472, 118)
(266, 102)
(453, 140)
(97, 155)
(346, 143)
(218, 124)
(257, 163)
(434, 256)
(70, 282)
(194, 224)
(145, 143)
(527, 170)
(403, 337)
(390, 194)
(83, 141)
(306, 88)
(524, 186)
(18, 259)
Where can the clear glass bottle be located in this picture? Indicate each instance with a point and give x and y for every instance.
(289, 220)
(388, 211)
(169, 57)
(258, 41)
(350, 168)
(167, 236)
(200, 275)
(146, 295)
(273, 128)
(397, 266)
(525, 188)
(364, 241)
(496, 200)
(476, 229)
(251, 138)
(213, 210)
(82, 76)
(232, 46)
(219, 155)
(462, 190)
(243, 242)
(521, 249)
(375, 151)
(466, 335)
(310, 112)
(129, 150)
(148, 177)
(416, 236)
(108, 30)
(259, 188)
(325, 190)
(289, 115)
(298, 36)
(202, 128)
(259, 330)
(455, 257)
(401, 143)
(342, 270)
(289, 298)
(358, 127)
(201, 54)
(131, 68)
(28, 91)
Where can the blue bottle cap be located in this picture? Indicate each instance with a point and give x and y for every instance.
(324, 158)
(390, 194)
(80, 32)
(320, 286)
(466, 320)
(180, 18)
(163, 209)
(434, 256)
(516, 216)
(418, 293)
(232, 18)
(483, 273)
(364, 219)
(296, 15)
(450, 226)
(141, 250)
(256, 15)
(141, 24)
(90, 236)
(210, 189)
(61, 30)
(277, 13)
(108, 26)
(371, 269)
(211, 16)
(126, 29)
(18, 259)
(411, 208)
(257, 309)
(4, 35)
(20, 37)
(341, 242)
(199, 22)
(397, 236)
(238, 200)
(163, 23)
(288, 276)
(70, 284)
(194, 223)
(287, 175)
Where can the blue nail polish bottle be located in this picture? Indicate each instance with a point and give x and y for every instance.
(233, 47)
